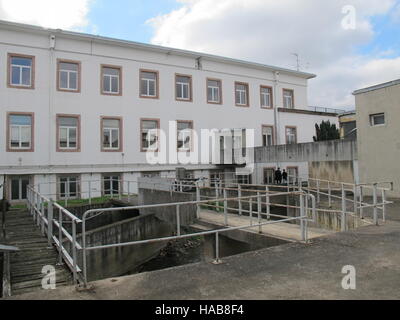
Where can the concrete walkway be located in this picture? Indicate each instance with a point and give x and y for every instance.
(291, 271)
(282, 230)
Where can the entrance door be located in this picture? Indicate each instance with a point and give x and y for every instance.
(269, 175)
(18, 185)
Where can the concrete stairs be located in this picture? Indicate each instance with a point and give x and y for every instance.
(26, 264)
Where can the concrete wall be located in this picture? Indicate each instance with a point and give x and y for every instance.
(331, 160)
(379, 146)
(114, 262)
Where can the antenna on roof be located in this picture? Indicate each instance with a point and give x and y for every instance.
(297, 61)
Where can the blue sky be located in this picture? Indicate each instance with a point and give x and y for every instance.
(127, 19)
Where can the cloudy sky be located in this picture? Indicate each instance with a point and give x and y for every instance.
(349, 44)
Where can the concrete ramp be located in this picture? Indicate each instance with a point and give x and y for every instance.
(281, 230)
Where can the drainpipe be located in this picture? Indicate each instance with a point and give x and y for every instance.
(51, 83)
(276, 123)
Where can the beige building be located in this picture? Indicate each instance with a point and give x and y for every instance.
(378, 132)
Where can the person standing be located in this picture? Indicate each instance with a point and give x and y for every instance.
(284, 176)
(278, 176)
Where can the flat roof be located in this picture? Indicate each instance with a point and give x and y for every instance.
(151, 47)
(377, 87)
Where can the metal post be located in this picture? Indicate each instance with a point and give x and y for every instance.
(50, 222)
(90, 192)
(303, 220)
(129, 191)
(178, 221)
(329, 194)
(267, 199)
(318, 192)
(74, 251)
(240, 200)
(119, 189)
(384, 205)
(84, 250)
(344, 218)
(375, 197)
(217, 260)
(361, 203)
(60, 236)
(198, 198)
(259, 208)
(251, 211)
(225, 208)
(355, 199)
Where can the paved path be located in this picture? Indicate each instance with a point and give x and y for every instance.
(286, 231)
(291, 271)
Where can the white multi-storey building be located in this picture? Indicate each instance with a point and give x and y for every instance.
(78, 107)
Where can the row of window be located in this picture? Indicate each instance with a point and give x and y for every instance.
(20, 133)
(22, 75)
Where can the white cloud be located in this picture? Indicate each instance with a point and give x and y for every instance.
(268, 31)
(63, 14)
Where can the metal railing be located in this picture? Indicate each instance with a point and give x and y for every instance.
(53, 226)
(303, 218)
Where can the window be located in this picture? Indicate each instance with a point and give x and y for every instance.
(243, 179)
(214, 91)
(267, 136)
(216, 177)
(184, 135)
(288, 99)
(148, 84)
(68, 76)
(291, 135)
(269, 175)
(68, 187)
(18, 187)
(111, 134)
(293, 174)
(242, 94)
(377, 119)
(21, 70)
(183, 87)
(149, 134)
(111, 184)
(266, 97)
(68, 133)
(20, 132)
(111, 80)
(151, 174)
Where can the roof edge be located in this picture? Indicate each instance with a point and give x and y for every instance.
(145, 46)
(377, 87)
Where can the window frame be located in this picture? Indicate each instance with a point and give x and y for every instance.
(220, 91)
(78, 78)
(157, 73)
(283, 98)
(270, 97)
(262, 134)
(191, 135)
(78, 186)
(190, 87)
(297, 174)
(265, 169)
(121, 126)
(9, 72)
(8, 133)
(78, 133)
(120, 184)
(372, 119)
(142, 149)
(246, 84)
(102, 67)
(296, 134)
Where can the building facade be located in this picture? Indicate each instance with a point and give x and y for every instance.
(77, 107)
(378, 131)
